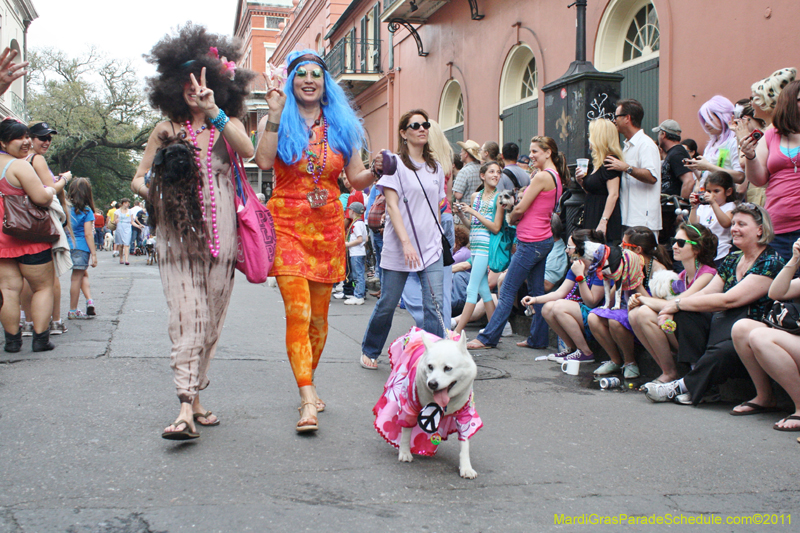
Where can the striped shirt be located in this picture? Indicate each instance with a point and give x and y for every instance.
(479, 235)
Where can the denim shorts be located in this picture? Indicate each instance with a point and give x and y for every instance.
(80, 259)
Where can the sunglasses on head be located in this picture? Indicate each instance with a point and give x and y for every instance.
(628, 245)
(315, 73)
(45, 138)
(682, 242)
(417, 125)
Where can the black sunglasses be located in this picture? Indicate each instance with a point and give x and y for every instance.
(417, 125)
(45, 138)
(617, 116)
(682, 242)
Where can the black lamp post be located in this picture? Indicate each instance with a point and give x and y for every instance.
(579, 96)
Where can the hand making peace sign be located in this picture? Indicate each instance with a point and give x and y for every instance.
(203, 96)
(275, 98)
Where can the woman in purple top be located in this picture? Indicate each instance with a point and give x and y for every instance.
(695, 247)
(412, 239)
(535, 240)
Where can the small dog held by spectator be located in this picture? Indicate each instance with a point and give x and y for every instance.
(614, 264)
(108, 242)
(507, 199)
(660, 284)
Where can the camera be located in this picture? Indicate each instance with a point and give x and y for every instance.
(756, 135)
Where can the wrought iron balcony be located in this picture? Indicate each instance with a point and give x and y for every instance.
(419, 11)
(18, 107)
(355, 63)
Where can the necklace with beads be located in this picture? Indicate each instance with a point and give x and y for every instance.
(213, 244)
(318, 197)
(647, 271)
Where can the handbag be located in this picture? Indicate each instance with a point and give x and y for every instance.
(255, 228)
(376, 212)
(784, 316)
(25, 220)
(500, 245)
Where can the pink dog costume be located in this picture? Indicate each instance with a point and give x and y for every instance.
(399, 405)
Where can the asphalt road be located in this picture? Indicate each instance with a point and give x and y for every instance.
(80, 445)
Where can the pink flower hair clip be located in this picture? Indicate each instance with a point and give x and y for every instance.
(228, 67)
(276, 75)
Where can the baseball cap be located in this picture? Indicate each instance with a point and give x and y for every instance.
(40, 129)
(356, 207)
(668, 126)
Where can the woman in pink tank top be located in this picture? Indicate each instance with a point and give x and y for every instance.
(535, 240)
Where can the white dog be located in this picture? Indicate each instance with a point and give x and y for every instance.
(108, 242)
(661, 284)
(428, 396)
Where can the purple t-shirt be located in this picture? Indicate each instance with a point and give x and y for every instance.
(404, 181)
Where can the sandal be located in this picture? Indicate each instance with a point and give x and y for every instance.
(782, 428)
(475, 344)
(198, 416)
(312, 424)
(755, 409)
(320, 405)
(185, 434)
(368, 362)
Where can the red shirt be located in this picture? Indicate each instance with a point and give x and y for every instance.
(99, 221)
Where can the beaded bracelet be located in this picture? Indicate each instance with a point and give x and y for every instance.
(220, 121)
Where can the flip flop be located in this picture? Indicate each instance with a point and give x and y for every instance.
(371, 363)
(198, 416)
(478, 345)
(755, 409)
(776, 427)
(186, 434)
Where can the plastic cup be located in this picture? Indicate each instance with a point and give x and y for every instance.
(583, 163)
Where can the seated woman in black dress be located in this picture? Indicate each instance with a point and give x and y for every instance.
(601, 210)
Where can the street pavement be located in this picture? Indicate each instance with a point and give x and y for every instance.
(81, 451)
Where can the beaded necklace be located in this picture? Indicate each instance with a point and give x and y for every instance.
(213, 246)
(482, 208)
(318, 197)
(647, 271)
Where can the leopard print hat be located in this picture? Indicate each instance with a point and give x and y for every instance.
(766, 91)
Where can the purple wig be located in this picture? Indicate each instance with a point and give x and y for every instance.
(719, 107)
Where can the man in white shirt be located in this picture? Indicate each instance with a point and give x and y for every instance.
(640, 190)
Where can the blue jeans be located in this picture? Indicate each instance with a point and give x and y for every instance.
(528, 263)
(377, 246)
(136, 234)
(783, 243)
(357, 271)
(459, 292)
(392, 284)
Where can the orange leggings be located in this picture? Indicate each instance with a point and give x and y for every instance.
(306, 303)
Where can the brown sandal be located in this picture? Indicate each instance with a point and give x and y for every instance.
(312, 424)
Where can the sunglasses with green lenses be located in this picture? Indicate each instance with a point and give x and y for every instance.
(302, 72)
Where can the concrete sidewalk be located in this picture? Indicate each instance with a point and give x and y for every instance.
(80, 445)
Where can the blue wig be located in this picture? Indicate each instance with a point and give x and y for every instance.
(345, 130)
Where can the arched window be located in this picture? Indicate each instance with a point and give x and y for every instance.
(451, 112)
(519, 97)
(643, 35)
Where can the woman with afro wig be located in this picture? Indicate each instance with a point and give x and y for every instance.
(191, 200)
(310, 135)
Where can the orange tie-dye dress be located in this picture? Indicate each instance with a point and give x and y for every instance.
(310, 241)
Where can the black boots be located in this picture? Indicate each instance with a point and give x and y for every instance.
(13, 342)
(41, 341)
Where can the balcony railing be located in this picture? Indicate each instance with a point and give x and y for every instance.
(18, 107)
(354, 56)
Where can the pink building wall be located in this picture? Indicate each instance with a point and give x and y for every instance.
(706, 48)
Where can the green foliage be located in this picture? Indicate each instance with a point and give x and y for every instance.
(101, 115)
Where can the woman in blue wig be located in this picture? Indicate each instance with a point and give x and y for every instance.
(310, 135)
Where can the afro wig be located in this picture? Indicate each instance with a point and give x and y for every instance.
(177, 56)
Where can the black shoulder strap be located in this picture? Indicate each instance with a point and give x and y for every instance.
(512, 177)
(555, 182)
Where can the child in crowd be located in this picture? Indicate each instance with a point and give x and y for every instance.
(611, 327)
(711, 207)
(82, 247)
(486, 219)
(357, 249)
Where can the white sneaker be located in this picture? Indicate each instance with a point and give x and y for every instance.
(354, 301)
(339, 287)
(453, 323)
(338, 295)
(507, 331)
(662, 392)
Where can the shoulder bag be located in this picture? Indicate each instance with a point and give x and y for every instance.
(376, 212)
(784, 316)
(25, 220)
(447, 252)
(255, 227)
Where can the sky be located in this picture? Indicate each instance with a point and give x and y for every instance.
(123, 30)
